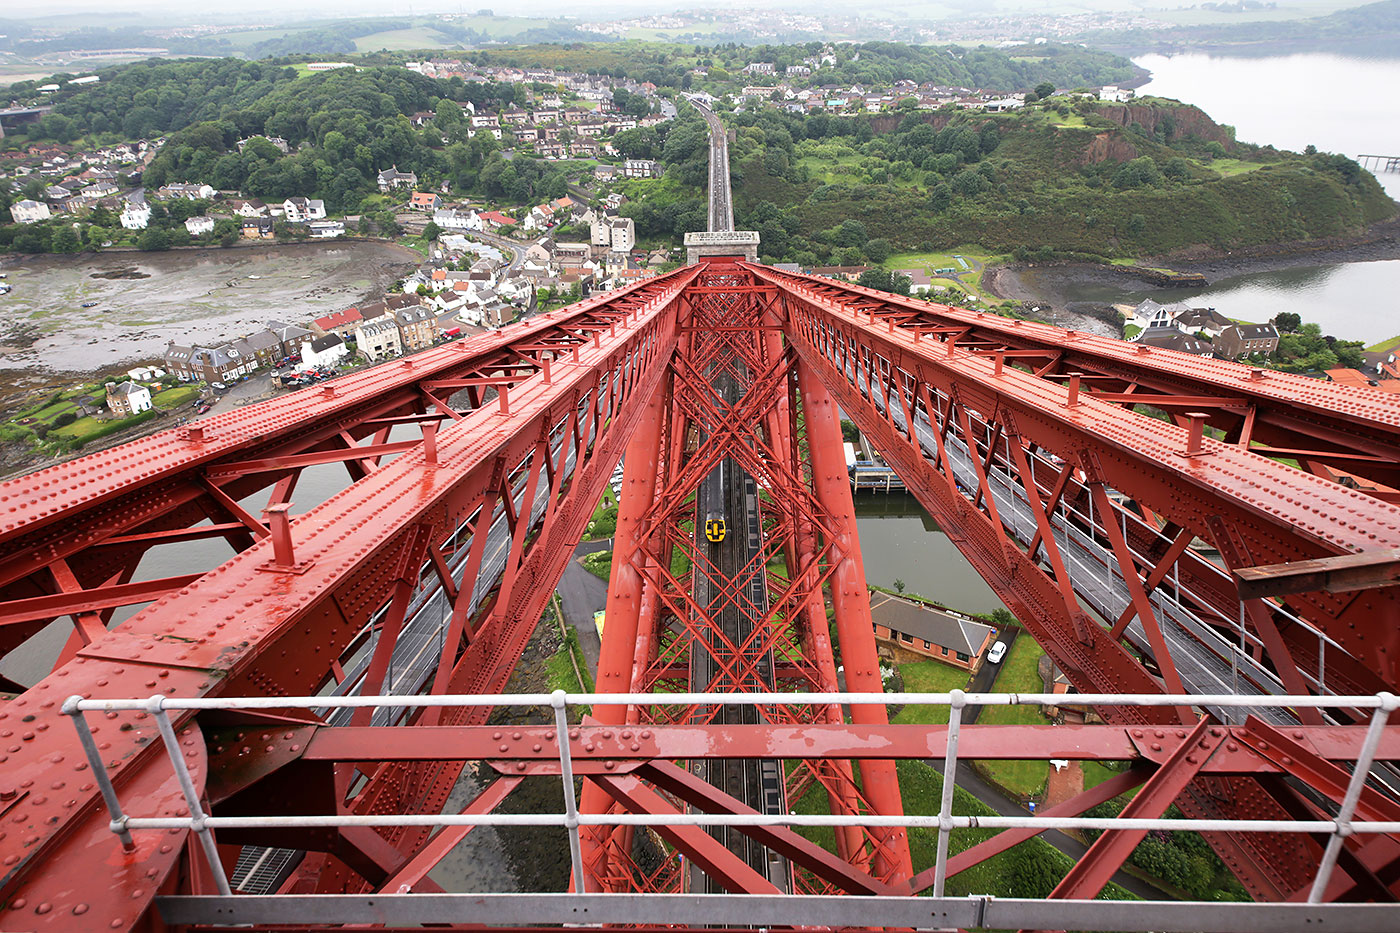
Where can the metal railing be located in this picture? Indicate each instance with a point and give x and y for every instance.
(1341, 825)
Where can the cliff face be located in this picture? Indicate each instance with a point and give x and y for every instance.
(1107, 147)
(1177, 121)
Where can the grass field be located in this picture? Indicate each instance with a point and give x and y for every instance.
(1018, 675)
(1385, 345)
(929, 677)
(971, 277)
(420, 37)
(1229, 167)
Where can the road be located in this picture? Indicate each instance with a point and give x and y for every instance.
(721, 203)
(581, 594)
(514, 246)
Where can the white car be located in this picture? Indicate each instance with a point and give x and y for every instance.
(997, 653)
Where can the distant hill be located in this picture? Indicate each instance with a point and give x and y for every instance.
(1373, 29)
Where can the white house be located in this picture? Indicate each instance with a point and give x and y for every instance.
(145, 373)
(326, 229)
(379, 338)
(128, 398)
(323, 351)
(302, 210)
(451, 219)
(27, 211)
(199, 226)
(641, 168)
(1116, 94)
(136, 216)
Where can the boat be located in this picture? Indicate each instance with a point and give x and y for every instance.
(89, 304)
(254, 276)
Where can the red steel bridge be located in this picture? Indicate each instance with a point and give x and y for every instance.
(271, 737)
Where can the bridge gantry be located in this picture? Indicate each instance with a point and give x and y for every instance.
(1168, 528)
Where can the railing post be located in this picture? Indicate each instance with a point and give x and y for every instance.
(945, 808)
(99, 772)
(182, 773)
(566, 771)
(1358, 780)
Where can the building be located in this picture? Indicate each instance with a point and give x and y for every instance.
(1117, 95)
(247, 207)
(417, 327)
(28, 212)
(1202, 320)
(339, 322)
(290, 336)
(258, 228)
(327, 66)
(128, 398)
(904, 627)
(326, 229)
(454, 219)
(200, 226)
(392, 178)
(302, 210)
(1245, 340)
(424, 201)
(264, 348)
(378, 338)
(1169, 338)
(323, 351)
(618, 234)
(136, 216)
(641, 168)
(194, 191)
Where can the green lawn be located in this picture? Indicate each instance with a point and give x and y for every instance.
(1385, 345)
(1228, 167)
(599, 563)
(172, 398)
(604, 521)
(1018, 675)
(929, 677)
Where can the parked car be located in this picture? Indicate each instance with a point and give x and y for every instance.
(204, 407)
(998, 652)
(218, 386)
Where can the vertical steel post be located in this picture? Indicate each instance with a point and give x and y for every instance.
(1348, 808)
(851, 599)
(182, 774)
(566, 771)
(99, 772)
(945, 807)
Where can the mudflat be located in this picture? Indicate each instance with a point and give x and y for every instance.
(142, 301)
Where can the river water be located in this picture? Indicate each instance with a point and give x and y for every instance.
(1334, 102)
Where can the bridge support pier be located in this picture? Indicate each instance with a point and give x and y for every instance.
(850, 597)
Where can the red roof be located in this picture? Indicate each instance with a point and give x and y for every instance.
(424, 197)
(1349, 377)
(496, 217)
(338, 319)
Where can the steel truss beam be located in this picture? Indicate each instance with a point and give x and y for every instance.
(916, 398)
(263, 623)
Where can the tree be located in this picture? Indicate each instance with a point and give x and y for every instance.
(154, 240)
(878, 250)
(66, 240)
(432, 231)
(1287, 322)
(1044, 89)
(885, 281)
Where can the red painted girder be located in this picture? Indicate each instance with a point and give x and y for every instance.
(726, 868)
(297, 461)
(1340, 417)
(1094, 869)
(113, 490)
(224, 630)
(820, 740)
(78, 601)
(1281, 514)
(805, 853)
